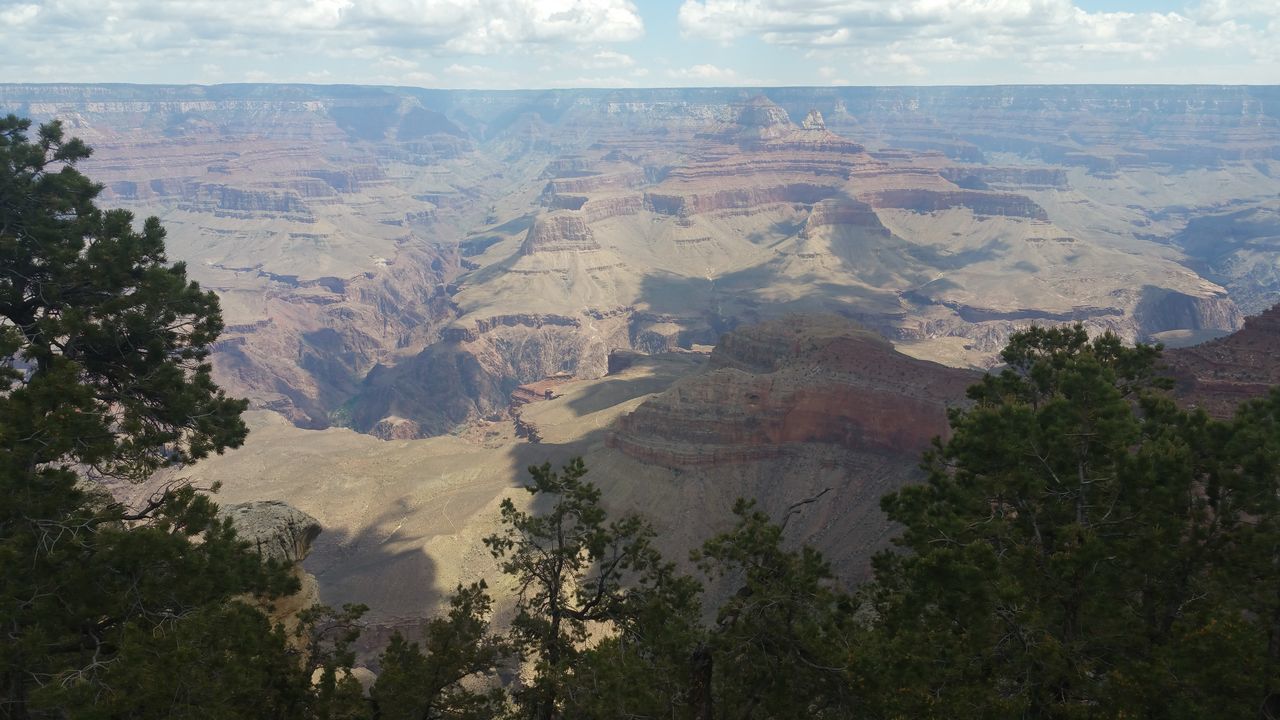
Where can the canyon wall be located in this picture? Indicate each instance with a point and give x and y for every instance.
(772, 388)
(398, 259)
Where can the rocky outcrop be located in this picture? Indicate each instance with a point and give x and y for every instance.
(981, 203)
(620, 360)
(559, 232)
(233, 201)
(479, 328)
(1220, 374)
(742, 197)
(763, 118)
(276, 530)
(602, 182)
(350, 180)
(827, 213)
(611, 206)
(1159, 310)
(774, 388)
(980, 177)
(280, 533)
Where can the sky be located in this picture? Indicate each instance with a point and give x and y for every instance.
(498, 44)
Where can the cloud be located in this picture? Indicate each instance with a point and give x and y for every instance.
(18, 15)
(704, 74)
(914, 35)
(610, 59)
(413, 41)
(493, 26)
(95, 39)
(459, 70)
(391, 62)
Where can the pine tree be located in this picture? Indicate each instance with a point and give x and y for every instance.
(782, 640)
(1082, 548)
(430, 683)
(104, 379)
(574, 568)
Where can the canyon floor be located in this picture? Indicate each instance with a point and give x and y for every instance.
(404, 519)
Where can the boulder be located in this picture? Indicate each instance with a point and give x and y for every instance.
(276, 529)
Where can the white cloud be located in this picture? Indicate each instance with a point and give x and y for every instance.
(494, 26)
(391, 62)
(704, 74)
(413, 41)
(610, 59)
(18, 15)
(467, 71)
(1221, 10)
(910, 36)
(94, 40)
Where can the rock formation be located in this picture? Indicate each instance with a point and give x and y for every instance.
(1220, 374)
(559, 233)
(276, 530)
(772, 388)
(813, 121)
(280, 533)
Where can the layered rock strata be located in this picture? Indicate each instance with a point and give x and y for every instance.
(772, 388)
(1221, 374)
(366, 240)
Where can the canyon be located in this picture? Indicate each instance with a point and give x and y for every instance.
(773, 293)
(398, 260)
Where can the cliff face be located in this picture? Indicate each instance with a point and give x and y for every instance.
(320, 338)
(772, 388)
(559, 232)
(981, 203)
(1160, 310)
(472, 371)
(785, 410)
(1220, 374)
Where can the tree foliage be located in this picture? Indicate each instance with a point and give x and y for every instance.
(614, 631)
(103, 378)
(430, 683)
(782, 641)
(105, 341)
(1083, 547)
(327, 636)
(569, 564)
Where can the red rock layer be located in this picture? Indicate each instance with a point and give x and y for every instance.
(1020, 177)
(603, 182)
(1221, 374)
(735, 198)
(981, 203)
(772, 388)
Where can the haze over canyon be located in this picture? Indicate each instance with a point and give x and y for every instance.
(426, 290)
